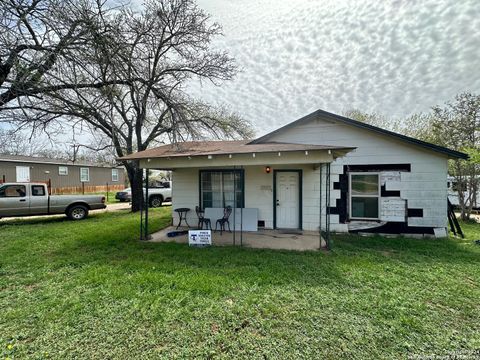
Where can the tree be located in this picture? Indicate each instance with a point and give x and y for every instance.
(456, 125)
(40, 40)
(374, 119)
(15, 143)
(149, 58)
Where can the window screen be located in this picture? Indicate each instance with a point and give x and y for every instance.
(84, 174)
(13, 191)
(63, 170)
(364, 196)
(221, 188)
(114, 174)
(38, 190)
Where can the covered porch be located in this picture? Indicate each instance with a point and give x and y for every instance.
(261, 239)
(279, 192)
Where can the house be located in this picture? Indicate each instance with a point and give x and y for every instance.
(323, 171)
(62, 175)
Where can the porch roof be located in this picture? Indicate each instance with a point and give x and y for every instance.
(203, 148)
(236, 152)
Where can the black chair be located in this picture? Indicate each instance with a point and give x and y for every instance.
(224, 220)
(202, 219)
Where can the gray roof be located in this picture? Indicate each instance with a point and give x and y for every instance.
(45, 160)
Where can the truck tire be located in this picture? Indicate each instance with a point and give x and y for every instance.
(77, 212)
(156, 201)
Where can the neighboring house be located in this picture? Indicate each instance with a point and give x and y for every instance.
(63, 175)
(323, 170)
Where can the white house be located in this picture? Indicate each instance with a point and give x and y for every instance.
(321, 171)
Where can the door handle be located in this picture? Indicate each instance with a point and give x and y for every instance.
(23, 200)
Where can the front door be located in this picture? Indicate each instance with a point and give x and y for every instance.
(287, 200)
(23, 174)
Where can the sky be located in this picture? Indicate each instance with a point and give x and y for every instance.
(395, 58)
(391, 57)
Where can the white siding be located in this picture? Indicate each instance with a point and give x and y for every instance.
(258, 193)
(425, 187)
(185, 193)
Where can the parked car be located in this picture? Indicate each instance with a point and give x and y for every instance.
(27, 199)
(156, 195)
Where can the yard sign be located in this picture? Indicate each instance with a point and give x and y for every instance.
(199, 237)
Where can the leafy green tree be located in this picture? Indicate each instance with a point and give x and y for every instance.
(456, 125)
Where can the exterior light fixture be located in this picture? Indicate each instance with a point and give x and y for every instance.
(306, 152)
(253, 155)
(210, 157)
(279, 153)
(268, 169)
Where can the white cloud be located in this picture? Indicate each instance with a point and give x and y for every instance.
(391, 57)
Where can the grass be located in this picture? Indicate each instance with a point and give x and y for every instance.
(90, 290)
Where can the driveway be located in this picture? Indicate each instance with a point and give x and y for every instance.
(110, 207)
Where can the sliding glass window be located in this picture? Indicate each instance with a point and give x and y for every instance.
(221, 188)
(364, 196)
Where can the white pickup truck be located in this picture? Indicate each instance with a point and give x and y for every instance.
(29, 199)
(156, 195)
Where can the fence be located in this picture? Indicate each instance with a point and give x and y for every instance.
(83, 189)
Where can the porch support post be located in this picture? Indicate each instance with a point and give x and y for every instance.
(320, 208)
(241, 211)
(329, 245)
(146, 202)
(234, 201)
(141, 220)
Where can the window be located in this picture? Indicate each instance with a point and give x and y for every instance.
(13, 191)
(364, 196)
(114, 174)
(165, 185)
(221, 188)
(84, 174)
(38, 190)
(63, 170)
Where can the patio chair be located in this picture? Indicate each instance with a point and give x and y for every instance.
(224, 220)
(202, 219)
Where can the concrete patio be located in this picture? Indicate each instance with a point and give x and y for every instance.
(262, 239)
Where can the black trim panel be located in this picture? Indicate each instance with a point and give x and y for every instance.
(388, 193)
(414, 212)
(396, 228)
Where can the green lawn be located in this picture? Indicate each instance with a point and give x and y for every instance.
(110, 195)
(90, 290)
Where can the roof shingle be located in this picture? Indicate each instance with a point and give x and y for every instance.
(199, 148)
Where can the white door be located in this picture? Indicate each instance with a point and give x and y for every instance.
(288, 201)
(23, 174)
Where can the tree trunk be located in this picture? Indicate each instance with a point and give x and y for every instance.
(135, 176)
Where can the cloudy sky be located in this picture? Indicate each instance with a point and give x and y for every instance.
(391, 57)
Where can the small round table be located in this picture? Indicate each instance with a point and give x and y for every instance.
(182, 214)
